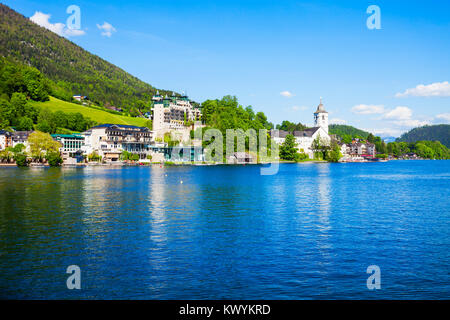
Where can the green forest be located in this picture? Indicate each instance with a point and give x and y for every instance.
(19, 87)
(440, 132)
(71, 69)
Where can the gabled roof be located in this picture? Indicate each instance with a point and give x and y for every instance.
(5, 133)
(306, 133)
(281, 133)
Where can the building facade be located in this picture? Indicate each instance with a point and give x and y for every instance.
(71, 147)
(5, 139)
(173, 112)
(358, 149)
(110, 140)
(304, 139)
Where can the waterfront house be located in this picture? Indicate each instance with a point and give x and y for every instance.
(182, 153)
(110, 140)
(241, 158)
(358, 149)
(5, 139)
(71, 147)
(20, 137)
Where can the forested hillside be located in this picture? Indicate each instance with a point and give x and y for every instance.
(72, 69)
(440, 132)
(345, 130)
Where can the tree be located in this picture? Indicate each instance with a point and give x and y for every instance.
(41, 144)
(25, 124)
(18, 104)
(288, 149)
(20, 159)
(94, 156)
(334, 154)
(6, 155)
(43, 126)
(18, 148)
(54, 159)
(6, 114)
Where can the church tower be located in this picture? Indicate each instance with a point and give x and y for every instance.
(321, 117)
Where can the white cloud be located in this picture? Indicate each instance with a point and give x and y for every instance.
(42, 19)
(286, 94)
(337, 121)
(444, 116)
(368, 109)
(411, 123)
(437, 89)
(107, 29)
(386, 132)
(399, 113)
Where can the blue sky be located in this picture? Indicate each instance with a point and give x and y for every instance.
(280, 56)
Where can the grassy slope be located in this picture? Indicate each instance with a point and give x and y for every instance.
(94, 114)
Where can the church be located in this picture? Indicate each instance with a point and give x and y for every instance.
(304, 139)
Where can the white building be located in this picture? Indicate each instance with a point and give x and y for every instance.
(110, 140)
(172, 112)
(304, 139)
(358, 149)
(12, 139)
(5, 139)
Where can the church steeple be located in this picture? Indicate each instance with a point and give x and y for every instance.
(321, 117)
(320, 107)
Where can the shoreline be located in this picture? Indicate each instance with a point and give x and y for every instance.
(173, 164)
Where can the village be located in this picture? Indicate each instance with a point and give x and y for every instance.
(170, 140)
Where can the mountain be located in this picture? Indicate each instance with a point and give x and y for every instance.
(72, 69)
(389, 139)
(345, 130)
(440, 132)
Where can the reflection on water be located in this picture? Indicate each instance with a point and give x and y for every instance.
(226, 232)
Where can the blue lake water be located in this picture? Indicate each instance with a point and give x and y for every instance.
(227, 232)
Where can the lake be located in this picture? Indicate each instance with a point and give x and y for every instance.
(227, 232)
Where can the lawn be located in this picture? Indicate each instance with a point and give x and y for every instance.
(97, 115)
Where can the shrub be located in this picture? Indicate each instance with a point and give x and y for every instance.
(21, 160)
(54, 159)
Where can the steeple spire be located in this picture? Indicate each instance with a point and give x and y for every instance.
(320, 108)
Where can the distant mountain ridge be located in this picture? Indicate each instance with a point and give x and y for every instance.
(73, 69)
(439, 132)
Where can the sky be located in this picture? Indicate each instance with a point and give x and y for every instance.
(384, 71)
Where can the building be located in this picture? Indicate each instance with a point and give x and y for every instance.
(241, 158)
(304, 139)
(173, 112)
(12, 139)
(80, 97)
(110, 140)
(5, 139)
(358, 149)
(20, 137)
(71, 147)
(182, 153)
